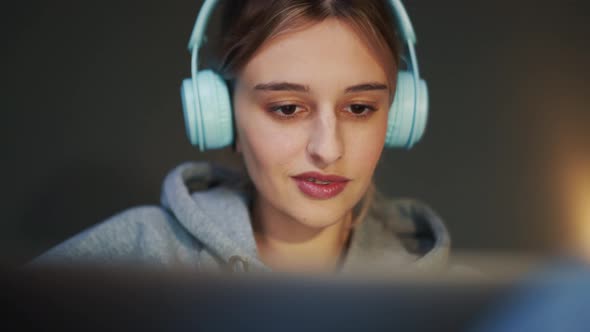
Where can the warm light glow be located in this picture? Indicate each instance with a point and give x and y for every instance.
(581, 208)
(577, 193)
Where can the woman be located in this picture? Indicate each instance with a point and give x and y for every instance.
(311, 84)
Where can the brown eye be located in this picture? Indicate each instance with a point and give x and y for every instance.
(361, 109)
(357, 109)
(286, 111)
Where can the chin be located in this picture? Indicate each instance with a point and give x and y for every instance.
(318, 217)
(316, 222)
(320, 213)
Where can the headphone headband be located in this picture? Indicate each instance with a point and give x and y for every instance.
(200, 26)
(198, 34)
(407, 125)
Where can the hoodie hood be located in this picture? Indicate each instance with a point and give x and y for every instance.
(198, 194)
(211, 203)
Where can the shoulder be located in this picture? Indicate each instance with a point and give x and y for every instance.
(408, 226)
(133, 235)
(410, 218)
(407, 212)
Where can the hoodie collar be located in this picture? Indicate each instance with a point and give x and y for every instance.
(395, 234)
(398, 236)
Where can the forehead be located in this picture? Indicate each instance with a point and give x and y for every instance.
(321, 55)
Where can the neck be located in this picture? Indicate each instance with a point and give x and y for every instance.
(285, 244)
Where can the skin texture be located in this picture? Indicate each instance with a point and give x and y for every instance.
(293, 231)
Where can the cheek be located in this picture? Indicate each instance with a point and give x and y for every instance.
(266, 144)
(365, 145)
(269, 147)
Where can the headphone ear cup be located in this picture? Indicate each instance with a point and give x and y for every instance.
(189, 108)
(216, 110)
(404, 129)
(422, 115)
(208, 117)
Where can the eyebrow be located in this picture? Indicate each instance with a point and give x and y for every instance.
(281, 86)
(287, 86)
(366, 87)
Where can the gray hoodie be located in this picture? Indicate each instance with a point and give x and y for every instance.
(203, 223)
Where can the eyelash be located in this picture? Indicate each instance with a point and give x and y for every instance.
(275, 110)
(368, 110)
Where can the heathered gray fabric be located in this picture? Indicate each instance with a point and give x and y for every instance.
(204, 229)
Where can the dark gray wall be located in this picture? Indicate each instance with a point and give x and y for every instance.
(92, 118)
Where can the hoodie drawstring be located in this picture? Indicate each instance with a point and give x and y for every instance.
(237, 264)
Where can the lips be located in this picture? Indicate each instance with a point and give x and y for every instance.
(320, 186)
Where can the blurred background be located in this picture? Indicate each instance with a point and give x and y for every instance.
(92, 119)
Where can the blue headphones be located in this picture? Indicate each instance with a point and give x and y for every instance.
(208, 111)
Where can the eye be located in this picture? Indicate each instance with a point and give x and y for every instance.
(361, 110)
(286, 111)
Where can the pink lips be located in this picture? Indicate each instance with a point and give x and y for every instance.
(320, 186)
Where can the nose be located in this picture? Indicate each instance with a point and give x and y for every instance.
(325, 145)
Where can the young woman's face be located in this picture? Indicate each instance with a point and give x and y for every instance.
(314, 100)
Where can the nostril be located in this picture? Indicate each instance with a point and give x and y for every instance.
(325, 146)
(328, 152)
